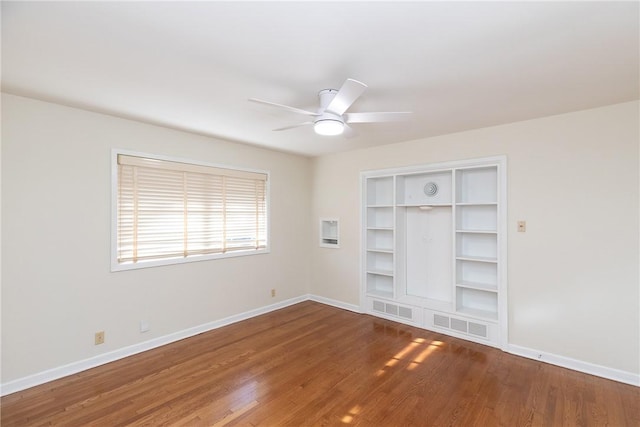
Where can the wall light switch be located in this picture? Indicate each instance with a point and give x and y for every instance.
(522, 226)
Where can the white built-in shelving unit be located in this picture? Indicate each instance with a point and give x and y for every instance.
(380, 236)
(434, 245)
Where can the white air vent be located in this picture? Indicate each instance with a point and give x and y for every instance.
(478, 329)
(393, 310)
(405, 312)
(442, 321)
(462, 326)
(459, 325)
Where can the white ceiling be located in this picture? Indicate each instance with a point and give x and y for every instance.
(193, 65)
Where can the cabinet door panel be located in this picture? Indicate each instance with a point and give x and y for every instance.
(428, 253)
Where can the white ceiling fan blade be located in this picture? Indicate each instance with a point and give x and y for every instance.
(293, 126)
(390, 116)
(286, 107)
(347, 95)
(349, 132)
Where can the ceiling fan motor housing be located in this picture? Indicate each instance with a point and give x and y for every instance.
(326, 96)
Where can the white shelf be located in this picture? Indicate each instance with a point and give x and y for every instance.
(380, 285)
(381, 272)
(380, 250)
(476, 204)
(477, 259)
(429, 205)
(380, 206)
(381, 240)
(479, 286)
(477, 231)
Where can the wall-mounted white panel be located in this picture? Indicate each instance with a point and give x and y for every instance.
(428, 253)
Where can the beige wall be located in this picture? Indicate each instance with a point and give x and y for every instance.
(573, 276)
(57, 288)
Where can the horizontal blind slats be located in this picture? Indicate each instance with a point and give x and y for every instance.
(160, 201)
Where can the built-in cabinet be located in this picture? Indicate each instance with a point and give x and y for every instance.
(434, 243)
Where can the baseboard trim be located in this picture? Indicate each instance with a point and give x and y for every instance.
(92, 362)
(576, 365)
(335, 303)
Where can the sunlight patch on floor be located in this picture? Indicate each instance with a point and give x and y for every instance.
(433, 345)
(409, 348)
(351, 414)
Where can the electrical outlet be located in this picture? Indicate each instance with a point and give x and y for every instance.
(99, 338)
(522, 226)
(273, 292)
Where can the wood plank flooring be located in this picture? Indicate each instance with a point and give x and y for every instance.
(315, 365)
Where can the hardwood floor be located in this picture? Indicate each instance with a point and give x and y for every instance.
(315, 365)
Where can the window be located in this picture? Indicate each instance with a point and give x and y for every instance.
(172, 211)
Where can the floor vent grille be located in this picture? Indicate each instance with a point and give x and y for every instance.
(393, 310)
(405, 312)
(478, 329)
(442, 321)
(462, 326)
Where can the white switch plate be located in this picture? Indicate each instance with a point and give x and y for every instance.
(522, 226)
(144, 326)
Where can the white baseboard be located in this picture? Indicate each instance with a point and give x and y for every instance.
(576, 365)
(82, 365)
(335, 303)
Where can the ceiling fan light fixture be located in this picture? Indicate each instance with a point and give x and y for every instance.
(328, 127)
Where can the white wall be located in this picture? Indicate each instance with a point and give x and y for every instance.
(57, 288)
(573, 276)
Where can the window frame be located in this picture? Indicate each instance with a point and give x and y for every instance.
(116, 266)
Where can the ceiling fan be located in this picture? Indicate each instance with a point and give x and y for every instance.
(332, 118)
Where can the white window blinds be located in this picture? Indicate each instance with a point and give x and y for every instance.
(170, 209)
